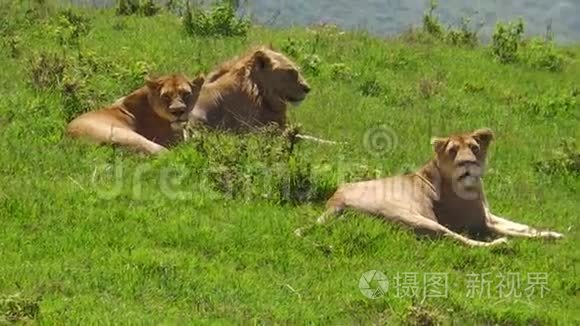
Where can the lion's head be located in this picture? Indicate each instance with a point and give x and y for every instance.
(278, 75)
(173, 97)
(461, 158)
(272, 72)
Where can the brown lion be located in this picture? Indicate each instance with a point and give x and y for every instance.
(250, 92)
(444, 197)
(147, 120)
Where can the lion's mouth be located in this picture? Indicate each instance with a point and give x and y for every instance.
(178, 123)
(295, 100)
(469, 175)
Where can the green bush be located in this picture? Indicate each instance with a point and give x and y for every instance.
(47, 70)
(506, 40)
(463, 35)
(69, 27)
(16, 308)
(133, 7)
(220, 20)
(263, 165)
(550, 104)
(564, 159)
(542, 54)
(431, 23)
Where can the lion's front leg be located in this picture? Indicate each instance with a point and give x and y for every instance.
(421, 223)
(504, 226)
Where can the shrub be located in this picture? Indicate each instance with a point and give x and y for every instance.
(311, 63)
(542, 54)
(432, 30)
(506, 40)
(47, 70)
(132, 7)
(371, 87)
(340, 71)
(70, 26)
(293, 48)
(462, 36)
(220, 20)
(149, 8)
(12, 43)
(262, 165)
(16, 308)
(550, 104)
(565, 159)
(127, 7)
(431, 23)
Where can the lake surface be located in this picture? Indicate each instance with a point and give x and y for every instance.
(388, 17)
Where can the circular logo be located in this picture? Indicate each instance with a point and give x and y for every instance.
(379, 141)
(373, 284)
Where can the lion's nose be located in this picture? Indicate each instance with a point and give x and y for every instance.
(466, 161)
(177, 108)
(306, 89)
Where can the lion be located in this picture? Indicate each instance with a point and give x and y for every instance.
(148, 120)
(444, 197)
(249, 92)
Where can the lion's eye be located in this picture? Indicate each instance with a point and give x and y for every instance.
(474, 148)
(186, 95)
(166, 97)
(453, 151)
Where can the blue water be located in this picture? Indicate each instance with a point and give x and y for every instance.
(389, 17)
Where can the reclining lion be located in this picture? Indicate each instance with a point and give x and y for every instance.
(250, 92)
(444, 197)
(147, 120)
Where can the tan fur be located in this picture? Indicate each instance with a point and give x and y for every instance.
(444, 197)
(249, 92)
(147, 120)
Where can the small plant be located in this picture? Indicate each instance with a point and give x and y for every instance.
(565, 159)
(119, 24)
(72, 97)
(133, 7)
(70, 27)
(293, 48)
(312, 64)
(462, 36)
(220, 20)
(127, 7)
(16, 308)
(429, 87)
(341, 71)
(47, 70)
(506, 40)
(13, 44)
(371, 87)
(550, 104)
(473, 88)
(431, 24)
(91, 63)
(542, 54)
(148, 8)
(263, 166)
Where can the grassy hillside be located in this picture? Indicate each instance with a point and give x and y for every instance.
(205, 232)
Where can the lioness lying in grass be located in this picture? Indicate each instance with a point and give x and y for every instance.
(147, 120)
(444, 197)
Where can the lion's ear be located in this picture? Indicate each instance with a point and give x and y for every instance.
(197, 82)
(261, 60)
(439, 144)
(483, 136)
(151, 83)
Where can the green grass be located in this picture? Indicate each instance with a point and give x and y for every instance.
(144, 256)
